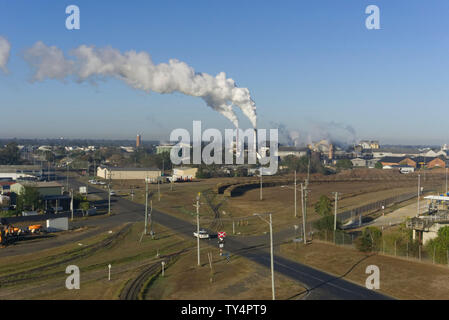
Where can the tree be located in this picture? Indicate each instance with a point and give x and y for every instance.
(326, 223)
(440, 245)
(324, 206)
(203, 173)
(378, 165)
(370, 240)
(27, 199)
(344, 164)
(10, 154)
(84, 206)
(241, 172)
(301, 165)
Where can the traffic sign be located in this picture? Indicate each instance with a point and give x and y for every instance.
(222, 234)
(221, 245)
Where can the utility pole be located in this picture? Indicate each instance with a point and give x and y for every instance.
(295, 197)
(335, 211)
(261, 183)
(419, 190)
(109, 199)
(71, 203)
(151, 219)
(146, 206)
(68, 177)
(198, 225)
(303, 204)
(158, 190)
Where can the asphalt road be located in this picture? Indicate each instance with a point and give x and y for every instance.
(320, 285)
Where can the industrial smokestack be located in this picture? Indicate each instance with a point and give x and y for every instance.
(237, 143)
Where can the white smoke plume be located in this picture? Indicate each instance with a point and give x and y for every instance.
(336, 133)
(138, 71)
(5, 48)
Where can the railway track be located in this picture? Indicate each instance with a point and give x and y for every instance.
(136, 286)
(36, 273)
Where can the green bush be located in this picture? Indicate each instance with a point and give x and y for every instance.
(370, 240)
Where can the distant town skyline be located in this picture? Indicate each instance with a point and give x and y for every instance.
(312, 67)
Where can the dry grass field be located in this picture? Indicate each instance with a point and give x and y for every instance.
(42, 275)
(399, 277)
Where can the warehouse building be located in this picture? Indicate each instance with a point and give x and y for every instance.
(292, 151)
(184, 173)
(358, 162)
(117, 173)
(44, 188)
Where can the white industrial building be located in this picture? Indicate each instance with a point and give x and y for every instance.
(117, 173)
(184, 173)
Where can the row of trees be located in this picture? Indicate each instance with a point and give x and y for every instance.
(10, 154)
(303, 164)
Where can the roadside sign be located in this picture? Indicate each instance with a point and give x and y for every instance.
(222, 234)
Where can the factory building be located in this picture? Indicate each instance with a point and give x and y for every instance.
(117, 173)
(358, 162)
(163, 148)
(292, 151)
(184, 173)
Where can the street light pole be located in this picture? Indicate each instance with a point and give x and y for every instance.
(198, 225)
(270, 222)
(272, 259)
(71, 203)
(146, 206)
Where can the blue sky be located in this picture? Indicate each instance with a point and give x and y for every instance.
(304, 62)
